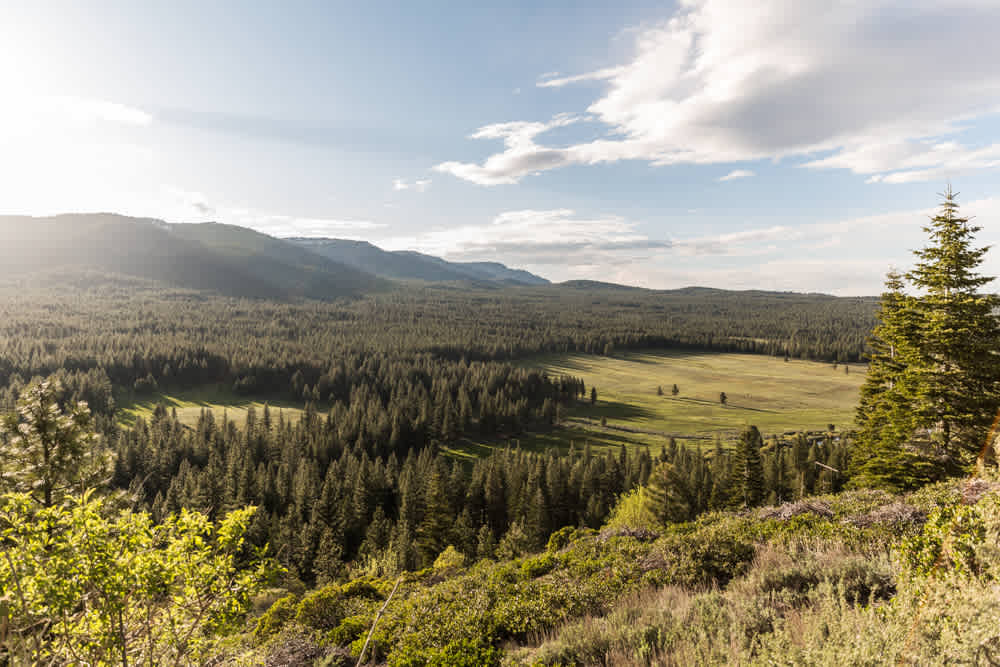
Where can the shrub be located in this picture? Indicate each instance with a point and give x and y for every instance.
(449, 559)
(538, 565)
(560, 539)
(361, 588)
(350, 629)
(322, 609)
(277, 615)
(947, 545)
(706, 556)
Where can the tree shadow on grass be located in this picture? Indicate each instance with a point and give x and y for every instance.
(614, 410)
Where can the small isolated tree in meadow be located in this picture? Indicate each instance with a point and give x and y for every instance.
(593, 395)
(659, 390)
(722, 397)
(675, 390)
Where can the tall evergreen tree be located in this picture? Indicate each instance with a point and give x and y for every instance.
(748, 469)
(956, 388)
(933, 385)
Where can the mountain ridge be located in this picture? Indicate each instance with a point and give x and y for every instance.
(413, 265)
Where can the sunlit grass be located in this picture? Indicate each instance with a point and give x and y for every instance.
(189, 403)
(775, 395)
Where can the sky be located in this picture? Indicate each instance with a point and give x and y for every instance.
(746, 144)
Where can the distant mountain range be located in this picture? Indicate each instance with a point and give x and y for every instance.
(228, 259)
(410, 265)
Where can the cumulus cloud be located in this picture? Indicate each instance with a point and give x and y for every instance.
(736, 174)
(419, 185)
(882, 88)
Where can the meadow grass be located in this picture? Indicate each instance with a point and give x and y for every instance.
(189, 404)
(768, 392)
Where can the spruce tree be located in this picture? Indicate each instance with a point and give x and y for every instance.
(748, 468)
(933, 384)
(956, 384)
(885, 456)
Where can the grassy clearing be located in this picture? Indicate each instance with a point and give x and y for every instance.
(768, 392)
(773, 394)
(189, 404)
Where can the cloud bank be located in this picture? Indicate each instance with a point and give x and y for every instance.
(882, 88)
(825, 256)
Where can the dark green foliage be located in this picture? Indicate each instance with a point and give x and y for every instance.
(748, 469)
(933, 387)
(322, 609)
(277, 615)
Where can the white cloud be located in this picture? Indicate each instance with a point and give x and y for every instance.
(841, 256)
(736, 174)
(531, 236)
(882, 88)
(522, 155)
(37, 116)
(419, 185)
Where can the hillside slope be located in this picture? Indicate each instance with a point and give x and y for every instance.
(229, 260)
(409, 265)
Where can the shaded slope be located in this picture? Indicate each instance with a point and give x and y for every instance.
(410, 265)
(179, 255)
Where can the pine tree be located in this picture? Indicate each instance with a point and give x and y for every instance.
(884, 457)
(48, 453)
(486, 543)
(671, 493)
(433, 532)
(956, 386)
(933, 384)
(748, 469)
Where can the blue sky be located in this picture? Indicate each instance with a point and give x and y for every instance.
(776, 144)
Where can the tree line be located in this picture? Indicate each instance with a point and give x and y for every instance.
(145, 337)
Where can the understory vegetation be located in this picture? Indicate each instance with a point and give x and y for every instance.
(862, 577)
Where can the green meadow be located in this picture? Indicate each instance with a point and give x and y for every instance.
(769, 392)
(189, 404)
(773, 394)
